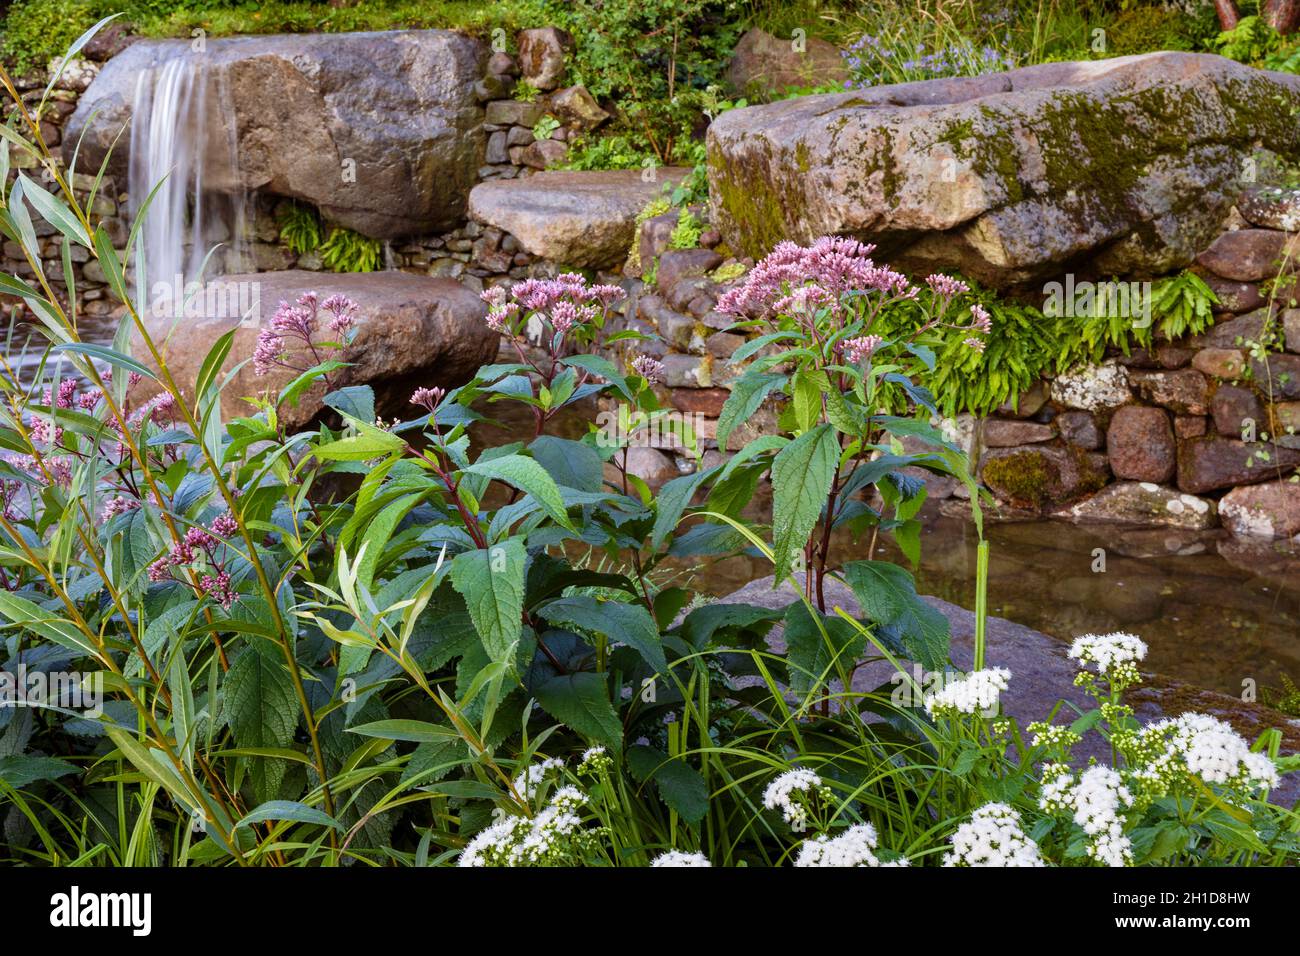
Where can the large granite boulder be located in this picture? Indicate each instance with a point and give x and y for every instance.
(381, 131)
(412, 331)
(1132, 161)
(581, 219)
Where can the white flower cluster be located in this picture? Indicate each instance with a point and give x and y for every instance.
(530, 781)
(1096, 802)
(594, 760)
(976, 693)
(1109, 652)
(678, 858)
(854, 847)
(780, 795)
(992, 837)
(551, 837)
(1207, 747)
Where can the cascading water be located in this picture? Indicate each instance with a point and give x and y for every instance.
(172, 144)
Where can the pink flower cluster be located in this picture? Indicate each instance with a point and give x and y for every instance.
(427, 398)
(300, 322)
(59, 469)
(200, 542)
(652, 370)
(565, 302)
(119, 505)
(859, 349)
(800, 279)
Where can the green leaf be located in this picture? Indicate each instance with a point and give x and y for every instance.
(571, 463)
(887, 595)
(814, 655)
(603, 368)
(802, 473)
(27, 615)
(756, 345)
(672, 500)
(413, 731)
(806, 399)
(378, 534)
(529, 477)
(679, 784)
(356, 401)
(262, 711)
(745, 398)
(581, 702)
(702, 624)
(55, 212)
(630, 624)
(369, 443)
(492, 582)
(104, 353)
(21, 770)
(288, 810)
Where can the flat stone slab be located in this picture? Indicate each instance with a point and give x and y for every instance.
(1134, 161)
(411, 331)
(580, 219)
(1143, 504)
(1041, 674)
(381, 131)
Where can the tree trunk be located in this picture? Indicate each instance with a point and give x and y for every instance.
(1283, 15)
(1228, 15)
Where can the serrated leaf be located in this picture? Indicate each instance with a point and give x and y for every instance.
(802, 473)
(679, 784)
(492, 582)
(814, 656)
(629, 624)
(580, 701)
(262, 711)
(529, 477)
(887, 596)
(747, 394)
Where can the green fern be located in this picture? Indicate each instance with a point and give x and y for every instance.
(348, 251)
(1287, 700)
(1183, 304)
(300, 229)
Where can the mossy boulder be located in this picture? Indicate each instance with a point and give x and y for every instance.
(1038, 476)
(1133, 161)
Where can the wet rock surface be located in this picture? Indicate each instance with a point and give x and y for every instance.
(305, 122)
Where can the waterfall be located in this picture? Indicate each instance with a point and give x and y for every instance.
(172, 136)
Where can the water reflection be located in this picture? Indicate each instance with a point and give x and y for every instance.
(1215, 611)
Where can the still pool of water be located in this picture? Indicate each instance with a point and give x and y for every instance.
(1215, 612)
